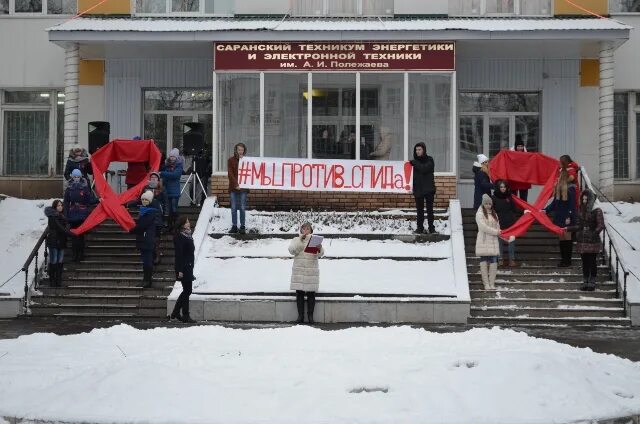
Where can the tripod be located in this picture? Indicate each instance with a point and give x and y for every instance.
(193, 178)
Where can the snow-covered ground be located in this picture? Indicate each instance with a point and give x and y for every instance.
(265, 265)
(298, 374)
(21, 225)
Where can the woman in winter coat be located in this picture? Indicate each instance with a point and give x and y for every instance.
(518, 188)
(171, 173)
(78, 159)
(572, 169)
(424, 187)
(506, 210)
(487, 247)
(145, 231)
(589, 224)
(481, 181)
(185, 259)
(77, 201)
(58, 231)
(564, 208)
(305, 276)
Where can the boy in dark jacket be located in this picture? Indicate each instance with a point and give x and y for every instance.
(58, 231)
(424, 188)
(77, 201)
(78, 159)
(145, 231)
(506, 211)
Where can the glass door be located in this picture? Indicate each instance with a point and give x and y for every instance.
(499, 130)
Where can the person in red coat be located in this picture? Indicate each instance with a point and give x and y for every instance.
(519, 189)
(136, 171)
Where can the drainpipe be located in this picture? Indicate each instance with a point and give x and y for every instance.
(71, 96)
(606, 117)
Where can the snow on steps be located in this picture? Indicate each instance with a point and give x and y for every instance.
(537, 292)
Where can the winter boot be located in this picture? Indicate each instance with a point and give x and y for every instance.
(50, 273)
(493, 270)
(513, 264)
(147, 278)
(484, 274)
(505, 263)
(311, 305)
(242, 230)
(584, 286)
(563, 254)
(233, 230)
(591, 284)
(186, 318)
(569, 252)
(60, 268)
(300, 305)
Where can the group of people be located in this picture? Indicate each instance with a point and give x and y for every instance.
(496, 211)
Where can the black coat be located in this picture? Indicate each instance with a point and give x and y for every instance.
(184, 251)
(145, 229)
(563, 209)
(423, 166)
(58, 229)
(588, 225)
(504, 207)
(482, 185)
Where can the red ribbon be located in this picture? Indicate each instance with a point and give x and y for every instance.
(532, 168)
(111, 205)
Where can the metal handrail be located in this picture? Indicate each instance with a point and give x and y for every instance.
(612, 244)
(25, 268)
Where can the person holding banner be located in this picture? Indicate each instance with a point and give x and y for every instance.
(564, 208)
(424, 187)
(487, 246)
(145, 231)
(481, 180)
(237, 195)
(305, 275)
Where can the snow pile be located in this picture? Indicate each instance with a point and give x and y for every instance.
(21, 225)
(324, 222)
(625, 229)
(229, 265)
(300, 374)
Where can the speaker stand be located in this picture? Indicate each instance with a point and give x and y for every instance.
(194, 178)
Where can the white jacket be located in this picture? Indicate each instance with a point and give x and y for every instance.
(305, 274)
(488, 232)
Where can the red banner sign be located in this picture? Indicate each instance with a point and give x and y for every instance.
(334, 56)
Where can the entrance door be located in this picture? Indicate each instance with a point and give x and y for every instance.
(177, 122)
(499, 129)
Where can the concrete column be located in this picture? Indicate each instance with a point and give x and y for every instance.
(606, 117)
(71, 96)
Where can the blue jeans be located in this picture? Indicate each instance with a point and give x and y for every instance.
(511, 248)
(56, 256)
(172, 205)
(490, 259)
(238, 202)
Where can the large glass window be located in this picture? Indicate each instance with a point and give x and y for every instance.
(621, 135)
(333, 115)
(430, 116)
(285, 119)
(40, 7)
(182, 7)
(342, 8)
(490, 122)
(166, 112)
(499, 7)
(238, 115)
(4, 7)
(30, 120)
(624, 6)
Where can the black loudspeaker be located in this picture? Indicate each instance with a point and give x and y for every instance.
(192, 138)
(98, 135)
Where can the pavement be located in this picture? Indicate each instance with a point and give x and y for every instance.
(619, 341)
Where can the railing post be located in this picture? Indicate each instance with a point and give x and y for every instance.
(36, 277)
(26, 289)
(604, 255)
(617, 279)
(624, 293)
(610, 254)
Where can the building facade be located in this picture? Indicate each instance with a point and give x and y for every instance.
(549, 71)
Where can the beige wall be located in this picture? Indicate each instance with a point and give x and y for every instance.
(627, 56)
(28, 58)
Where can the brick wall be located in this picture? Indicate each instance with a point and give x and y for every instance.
(324, 200)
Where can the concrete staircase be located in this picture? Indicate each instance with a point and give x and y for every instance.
(107, 283)
(538, 292)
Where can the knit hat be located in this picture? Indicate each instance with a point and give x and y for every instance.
(486, 199)
(76, 173)
(482, 159)
(147, 195)
(157, 174)
(174, 153)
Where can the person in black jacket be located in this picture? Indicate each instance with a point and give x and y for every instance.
(145, 231)
(481, 180)
(58, 230)
(506, 210)
(78, 159)
(424, 187)
(184, 250)
(78, 199)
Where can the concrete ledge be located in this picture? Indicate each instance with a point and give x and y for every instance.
(633, 312)
(428, 311)
(10, 307)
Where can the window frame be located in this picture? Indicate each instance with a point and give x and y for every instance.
(168, 12)
(485, 122)
(614, 10)
(43, 13)
(52, 108)
(516, 11)
(633, 137)
(325, 11)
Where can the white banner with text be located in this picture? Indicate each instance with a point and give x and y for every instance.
(325, 175)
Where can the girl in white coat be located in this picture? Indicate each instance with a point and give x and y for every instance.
(487, 246)
(305, 276)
